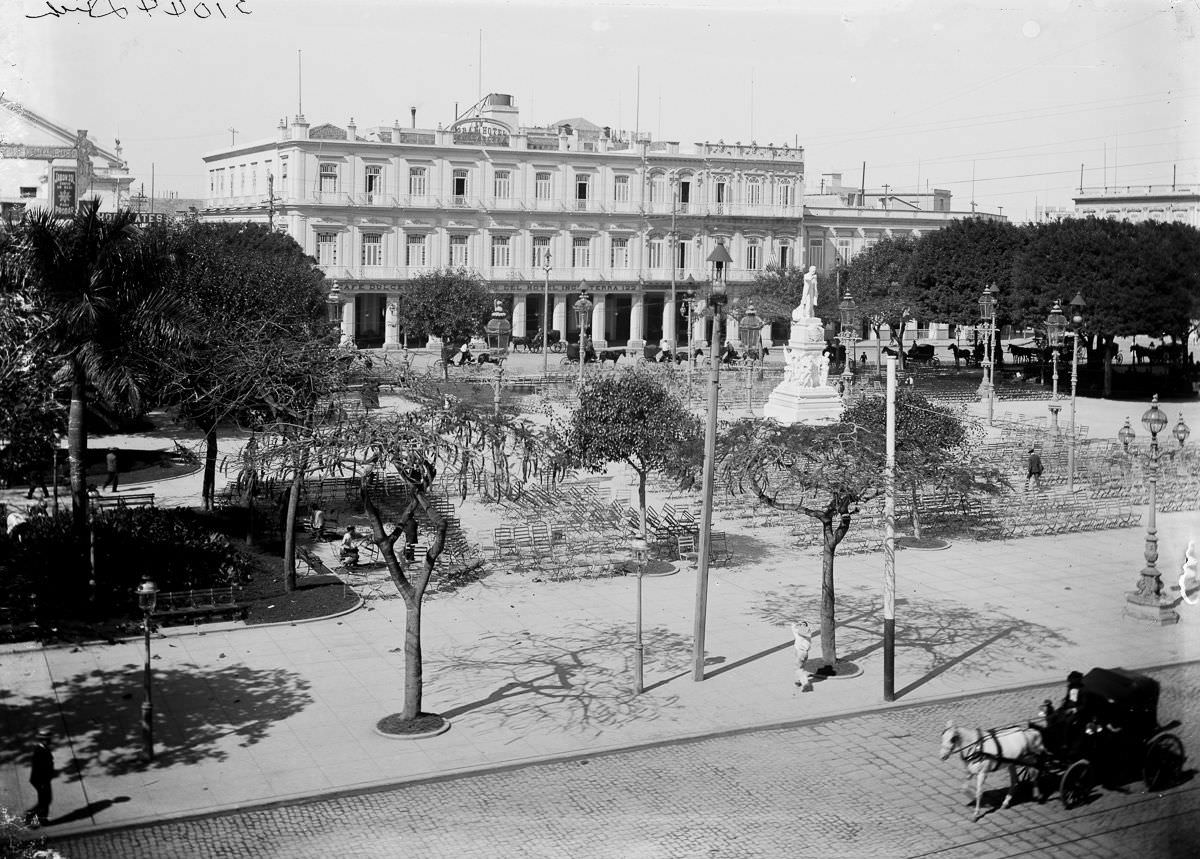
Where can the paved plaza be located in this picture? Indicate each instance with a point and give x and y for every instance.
(534, 671)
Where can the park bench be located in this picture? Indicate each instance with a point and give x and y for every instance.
(199, 603)
(122, 502)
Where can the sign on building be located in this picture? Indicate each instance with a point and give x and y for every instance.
(64, 192)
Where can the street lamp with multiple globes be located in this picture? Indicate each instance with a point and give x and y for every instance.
(751, 327)
(1077, 306)
(147, 594)
(641, 551)
(847, 337)
(583, 310)
(987, 387)
(688, 310)
(1146, 602)
(719, 261)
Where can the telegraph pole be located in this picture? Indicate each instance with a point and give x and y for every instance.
(271, 202)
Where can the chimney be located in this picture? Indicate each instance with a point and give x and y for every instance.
(283, 129)
(413, 110)
(300, 127)
(351, 130)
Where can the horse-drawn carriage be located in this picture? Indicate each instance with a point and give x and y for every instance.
(919, 354)
(1107, 733)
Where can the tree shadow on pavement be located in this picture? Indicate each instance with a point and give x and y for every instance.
(587, 674)
(195, 709)
(932, 636)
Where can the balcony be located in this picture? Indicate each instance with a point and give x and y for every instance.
(373, 199)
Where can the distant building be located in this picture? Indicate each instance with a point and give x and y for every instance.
(45, 165)
(536, 209)
(1141, 203)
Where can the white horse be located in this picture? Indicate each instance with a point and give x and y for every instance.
(983, 752)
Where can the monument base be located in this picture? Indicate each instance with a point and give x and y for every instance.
(791, 404)
(1150, 609)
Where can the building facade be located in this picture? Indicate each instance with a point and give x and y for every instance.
(538, 212)
(45, 165)
(1141, 203)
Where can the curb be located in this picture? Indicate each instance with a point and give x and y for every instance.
(187, 631)
(365, 788)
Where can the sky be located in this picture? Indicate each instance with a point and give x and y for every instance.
(1001, 103)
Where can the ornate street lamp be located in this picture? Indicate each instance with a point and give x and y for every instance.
(1146, 602)
(1126, 435)
(1181, 431)
(719, 261)
(498, 331)
(987, 312)
(147, 594)
(583, 310)
(751, 328)
(847, 313)
(1077, 307)
(641, 551)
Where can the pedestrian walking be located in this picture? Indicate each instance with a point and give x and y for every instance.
(37, 482)
(802, 644)
(318, 523)
(1034, 471)
(110, 462)
(41, 773)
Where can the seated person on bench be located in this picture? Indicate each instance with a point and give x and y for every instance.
(349, 551)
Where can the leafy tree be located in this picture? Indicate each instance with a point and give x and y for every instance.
(407, 450)
(881, 282)
(934, 445)
(1136, 278)
(453, 304)
(634, 418)
(254, 305)
(819, 471)
(31, 419)
(951, 266)
(100, 282)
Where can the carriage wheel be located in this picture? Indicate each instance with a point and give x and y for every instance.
(935, 362)
(556, 346)
(1076, 784)
(1164, 762)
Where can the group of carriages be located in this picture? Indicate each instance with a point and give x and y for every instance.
(1105, 732)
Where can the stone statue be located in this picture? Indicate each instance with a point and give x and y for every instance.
(808, 299)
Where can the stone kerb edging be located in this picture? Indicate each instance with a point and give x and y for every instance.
(195, 630)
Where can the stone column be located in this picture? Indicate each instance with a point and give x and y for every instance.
(637, 323)
(598, 332)
(559, 320)
(348, 321)
(518, 316)
(391, 323)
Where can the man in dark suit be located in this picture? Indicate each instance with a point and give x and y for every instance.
(41, 773)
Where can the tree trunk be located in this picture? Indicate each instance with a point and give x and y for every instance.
(828, 632)
(289, 533)
(642, 502)
(413, 667)
(1105, 344)
(916, 513)
(210, 467)
(77, 442)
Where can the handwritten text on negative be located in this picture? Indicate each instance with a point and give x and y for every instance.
(170, 8)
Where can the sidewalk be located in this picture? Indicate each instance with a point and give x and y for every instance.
(527, 671)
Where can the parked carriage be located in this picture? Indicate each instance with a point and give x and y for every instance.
(920, 354)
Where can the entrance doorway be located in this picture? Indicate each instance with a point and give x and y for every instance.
(368, 320)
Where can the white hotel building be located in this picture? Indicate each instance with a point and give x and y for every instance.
(525, 206)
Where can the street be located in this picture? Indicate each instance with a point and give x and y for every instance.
(859, 786)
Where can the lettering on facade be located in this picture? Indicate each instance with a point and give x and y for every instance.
(202, 9)
(64, 191)
(36, 153)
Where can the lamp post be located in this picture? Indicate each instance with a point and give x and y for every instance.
(545, 313)
(987, 388)
(719, 261)
(147, 594)
(498, 331)
(583, 310)
(674, 253)
(1077, 306)
(751, 328)
(1146, 602)
(640, 551)
(847, 337)
(1181, 431)
(687, 310)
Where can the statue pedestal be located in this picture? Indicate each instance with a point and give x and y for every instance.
(805, 395)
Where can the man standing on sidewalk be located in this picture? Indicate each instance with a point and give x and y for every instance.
(41, 773)
(1035, 470)
(111, 462)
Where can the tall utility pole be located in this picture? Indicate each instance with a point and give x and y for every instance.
(674, 265)
(271, 202)
(889, 541)
(233, 132)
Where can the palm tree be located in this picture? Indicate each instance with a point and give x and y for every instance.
(99, 281)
